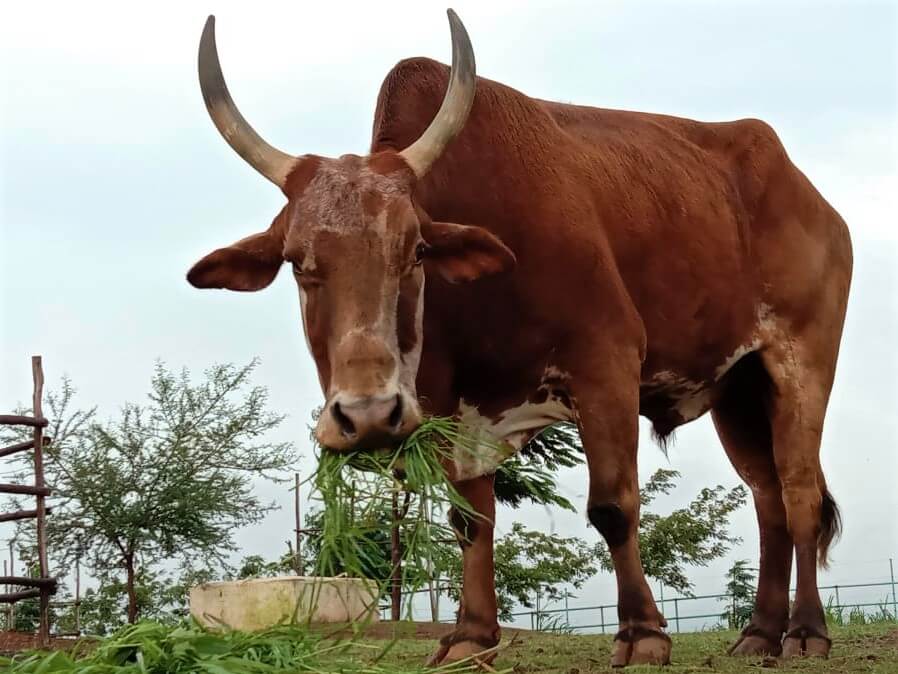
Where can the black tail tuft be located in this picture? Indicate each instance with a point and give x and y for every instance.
(830, 527)
(663, 436)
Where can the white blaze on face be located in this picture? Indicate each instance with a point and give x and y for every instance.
(303, 303)
(411, 359)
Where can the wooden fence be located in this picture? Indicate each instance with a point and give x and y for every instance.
(43, 586)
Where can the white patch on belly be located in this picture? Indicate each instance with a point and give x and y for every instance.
(693, 407)
(499, 438)
(737, 355)
(690, 399)
(765, 327)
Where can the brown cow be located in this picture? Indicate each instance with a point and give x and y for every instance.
(580, 264)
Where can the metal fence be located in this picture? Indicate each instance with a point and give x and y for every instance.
(683, 613)
(692, 613)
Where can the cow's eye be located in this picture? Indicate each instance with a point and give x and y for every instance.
(420, 252)
(297, 270)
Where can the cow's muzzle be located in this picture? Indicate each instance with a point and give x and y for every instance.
(367, 422)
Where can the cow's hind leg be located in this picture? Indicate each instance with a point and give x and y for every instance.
(800, 389)
(740, 416)
(608, 418)
(477, 631)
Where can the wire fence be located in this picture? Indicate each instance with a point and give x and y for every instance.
(844, 602)
(687, 614)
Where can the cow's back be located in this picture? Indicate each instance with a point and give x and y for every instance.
(700, 220)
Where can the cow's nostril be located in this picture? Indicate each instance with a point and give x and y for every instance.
(345, 423)
(395, 417)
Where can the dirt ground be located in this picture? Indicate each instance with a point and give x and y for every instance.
(386, 630)
(13, 642)
(867, 649)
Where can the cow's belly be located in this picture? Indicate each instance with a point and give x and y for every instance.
(675, 395)
(670, 396)
(668, 400)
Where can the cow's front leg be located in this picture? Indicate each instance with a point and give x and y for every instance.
(477, 629)
(608, 411)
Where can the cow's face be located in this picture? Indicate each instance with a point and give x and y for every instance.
(358, 248)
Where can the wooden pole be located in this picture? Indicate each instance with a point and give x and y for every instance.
(6, 590)
(395, 561)
(37, 373)
(297, 558)
(12, 572)
(78, 597)
(894, 596)
(431, 589)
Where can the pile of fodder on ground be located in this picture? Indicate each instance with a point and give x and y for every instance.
(151, 648)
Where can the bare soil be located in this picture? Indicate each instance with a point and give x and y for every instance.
(13, 642)
(418, 631)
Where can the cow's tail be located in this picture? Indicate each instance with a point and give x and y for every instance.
(830, 527)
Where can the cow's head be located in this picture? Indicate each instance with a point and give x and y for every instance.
(356, 244)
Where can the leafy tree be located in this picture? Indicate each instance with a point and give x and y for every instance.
(529, 475)
(255, 566)
(170, 479)
(690, 536)
(530, 564)
(741, 588)
(376, 562)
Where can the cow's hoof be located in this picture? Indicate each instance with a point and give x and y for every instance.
(806, 642)
(756, 641)
(755, 645)
(467, 651)
(640, 645)
(467, 643)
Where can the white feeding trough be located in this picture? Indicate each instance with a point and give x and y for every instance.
(259, 603)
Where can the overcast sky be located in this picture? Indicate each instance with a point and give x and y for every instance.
(113, 181)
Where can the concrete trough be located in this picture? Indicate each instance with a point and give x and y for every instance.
(259, 603)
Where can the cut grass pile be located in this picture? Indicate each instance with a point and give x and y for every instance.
(151, 648)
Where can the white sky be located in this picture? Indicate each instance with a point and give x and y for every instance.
(113, 182)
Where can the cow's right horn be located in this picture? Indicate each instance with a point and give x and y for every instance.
(267, 160)
(453, 112)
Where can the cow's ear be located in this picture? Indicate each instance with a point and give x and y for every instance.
(250, 264)
(464, 253)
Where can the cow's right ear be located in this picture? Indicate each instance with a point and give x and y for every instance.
(250, 264)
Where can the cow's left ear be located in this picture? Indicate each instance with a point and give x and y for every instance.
(463, 252)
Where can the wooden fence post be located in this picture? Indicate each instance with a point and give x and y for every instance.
(37, 373)
(44, 586)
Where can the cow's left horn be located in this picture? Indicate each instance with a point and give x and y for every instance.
(453, 113)
(267, 160)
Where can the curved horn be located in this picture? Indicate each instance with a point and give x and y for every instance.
(453, 112)
(267, 160)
